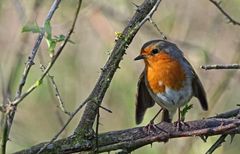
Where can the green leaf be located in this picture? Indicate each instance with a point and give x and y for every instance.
(34, 28)
(185, 110)
(59, 38)
(48, 29)
(51, 46)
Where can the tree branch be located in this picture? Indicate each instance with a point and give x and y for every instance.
(221, 66)
(217, 144)
(131, 139)
(231, 20)
(142, 14)
(61, 105)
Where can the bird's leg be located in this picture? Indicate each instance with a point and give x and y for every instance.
(180, 122)
(151, 123)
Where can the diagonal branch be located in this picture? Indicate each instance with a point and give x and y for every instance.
(217, 144)
(61, 105)
(30, 61)
(142, 14)
(231, 20)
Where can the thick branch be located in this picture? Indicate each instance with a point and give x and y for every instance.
(131, 139)
(143, 13)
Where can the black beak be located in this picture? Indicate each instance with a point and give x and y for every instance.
(139, 57)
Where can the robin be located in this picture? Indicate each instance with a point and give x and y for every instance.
(168, 79)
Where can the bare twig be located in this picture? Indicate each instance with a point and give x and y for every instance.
(61, 103)
(44, 146)
(231, 20)
(221, 66)
(221, 87)
(152, 22)
(104, 108)
(97, 130)
(158, 29)
(217, 144)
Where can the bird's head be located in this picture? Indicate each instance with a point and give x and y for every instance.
(156, 50)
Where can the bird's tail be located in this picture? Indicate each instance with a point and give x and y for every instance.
(166, 116)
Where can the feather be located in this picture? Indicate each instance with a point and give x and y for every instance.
(199, 92)
(144, 99)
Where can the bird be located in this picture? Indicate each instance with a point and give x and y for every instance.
(168, 79)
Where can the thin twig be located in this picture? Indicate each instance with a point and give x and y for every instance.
(221, 66)
(158, 29)
(231, 20)
(54, 84)
(149, 15)
(49, 66)
(104, 108)
(153, 23)
(217, 144)
(30, 61)
(63, 128)
(97, 130)
(221, 87)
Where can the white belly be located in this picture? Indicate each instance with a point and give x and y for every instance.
(172, 99)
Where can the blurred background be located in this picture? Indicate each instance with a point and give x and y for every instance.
(197, 27)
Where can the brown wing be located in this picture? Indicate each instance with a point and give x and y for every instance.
(199, 92)
(143, 100)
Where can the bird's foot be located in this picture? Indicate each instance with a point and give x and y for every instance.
(179, 125)
(151, 126)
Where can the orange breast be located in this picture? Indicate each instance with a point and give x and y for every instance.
(164, 71)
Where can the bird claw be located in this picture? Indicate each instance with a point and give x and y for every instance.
(151, 125)
(179, 125)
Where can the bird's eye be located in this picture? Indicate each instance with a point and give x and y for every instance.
(154, 51)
